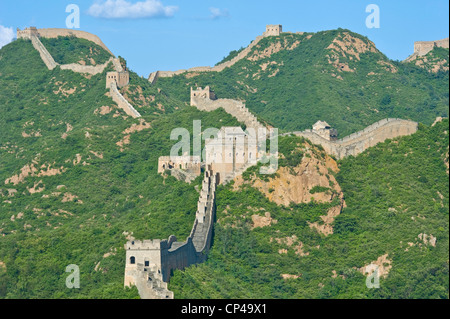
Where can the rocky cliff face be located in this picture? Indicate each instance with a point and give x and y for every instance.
(311, 179)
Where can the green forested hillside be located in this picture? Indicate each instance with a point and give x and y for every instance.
(78, 177)
(69, 194)
(437, 60)
(393, 192)
(66, 50)
(293, 80)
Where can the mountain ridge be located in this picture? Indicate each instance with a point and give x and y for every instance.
(79, 177)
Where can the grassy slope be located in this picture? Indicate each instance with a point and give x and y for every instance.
(245, 264)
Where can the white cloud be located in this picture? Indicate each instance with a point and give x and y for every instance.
(117, 9)
(6, 35)
(217, 13)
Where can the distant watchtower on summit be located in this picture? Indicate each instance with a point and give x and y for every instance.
(27, 33)
(273, 29)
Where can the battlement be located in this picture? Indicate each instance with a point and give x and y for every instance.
(143, 244)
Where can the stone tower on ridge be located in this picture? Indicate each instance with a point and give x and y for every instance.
(273, 29)
(121, 78)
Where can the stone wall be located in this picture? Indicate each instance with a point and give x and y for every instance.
(218, 68)
(119, 78)
(33, 34)
(54, 33)
(45, 55)
(235, 108)
(122, 102)
(423, 47)
(358, 142)
(90, 69)
(149, 263)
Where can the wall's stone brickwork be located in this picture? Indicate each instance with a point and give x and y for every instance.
(45, 55)
(423, 47)
(89, 69)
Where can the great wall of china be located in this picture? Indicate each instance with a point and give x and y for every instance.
(205, 100)
(421, 48)
(112, 83)
(358, 142)
(271, 30)
(149, 263)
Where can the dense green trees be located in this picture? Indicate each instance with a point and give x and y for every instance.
(66, 50)
(106, 190)
(99, 195)
(393, 192)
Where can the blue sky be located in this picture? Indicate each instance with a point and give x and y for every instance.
(176, 34)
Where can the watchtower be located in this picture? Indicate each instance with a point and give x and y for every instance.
(230, 151)
(273, 30)
(145, 253)
(324, 130)
(121, 78)
(27, 33)
(200, 93)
